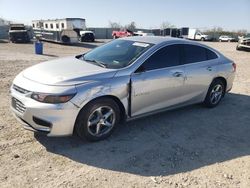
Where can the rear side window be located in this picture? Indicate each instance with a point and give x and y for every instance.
(193, 53)
(166, 57)
(211, 55)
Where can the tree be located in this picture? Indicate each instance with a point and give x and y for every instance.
(166, 24)
(242, 32)
(114, 25)
(131, 26)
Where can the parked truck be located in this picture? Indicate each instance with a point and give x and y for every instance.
(18, 33)
(195, 34)
(122, 33)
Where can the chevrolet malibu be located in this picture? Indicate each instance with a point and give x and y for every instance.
(128, 78)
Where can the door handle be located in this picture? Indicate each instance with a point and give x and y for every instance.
(209, 68)
(177, 74)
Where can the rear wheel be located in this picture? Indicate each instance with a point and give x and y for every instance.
(215, 93)
(98, 119)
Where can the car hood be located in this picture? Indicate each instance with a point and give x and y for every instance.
(66, 71)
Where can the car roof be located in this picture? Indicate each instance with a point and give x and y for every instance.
(158, 40)
(152, 39)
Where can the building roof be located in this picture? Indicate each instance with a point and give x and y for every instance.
(57, 19)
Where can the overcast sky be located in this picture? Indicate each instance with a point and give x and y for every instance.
(228, 14)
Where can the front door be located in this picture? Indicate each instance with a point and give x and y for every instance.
(159, 81)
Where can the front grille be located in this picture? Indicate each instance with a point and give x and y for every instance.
(20, 90)
(18, 105)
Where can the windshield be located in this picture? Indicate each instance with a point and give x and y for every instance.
(116, 54)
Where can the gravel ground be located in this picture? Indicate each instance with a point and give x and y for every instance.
(189, 147)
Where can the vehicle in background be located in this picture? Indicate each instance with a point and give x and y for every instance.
(244, 43)
(18, 33)
(122, 33)
(65, 30)
(171, 32)
(128, 78)
(87, 36)
(195, 34)
(226, 38)
(141, 33)
(183, 32)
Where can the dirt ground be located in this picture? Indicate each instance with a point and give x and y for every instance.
(189, 147)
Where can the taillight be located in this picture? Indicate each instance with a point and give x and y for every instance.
(234, 67)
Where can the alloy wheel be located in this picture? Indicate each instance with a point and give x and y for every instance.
(216, 94)
(101, 121)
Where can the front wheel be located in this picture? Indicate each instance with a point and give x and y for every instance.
(98, 119)
(215, 93)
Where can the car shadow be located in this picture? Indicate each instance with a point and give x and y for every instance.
(167, 143)
(49, 55)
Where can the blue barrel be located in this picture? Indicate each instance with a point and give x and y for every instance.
(39, 48)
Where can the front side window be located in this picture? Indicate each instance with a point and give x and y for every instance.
(166, 57)
(194, 54)
(116, 54)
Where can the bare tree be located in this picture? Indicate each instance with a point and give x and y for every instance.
(166, 24)
(114, 25)
(131, 26)
(242, 32)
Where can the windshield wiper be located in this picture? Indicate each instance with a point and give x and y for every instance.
(101, 64)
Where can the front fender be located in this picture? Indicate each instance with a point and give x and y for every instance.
(117, 87)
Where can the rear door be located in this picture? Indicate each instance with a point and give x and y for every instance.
(200, 67)
(158, 82)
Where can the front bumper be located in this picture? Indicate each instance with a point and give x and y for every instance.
(51, 119)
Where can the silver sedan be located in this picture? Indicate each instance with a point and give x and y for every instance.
(128, 78)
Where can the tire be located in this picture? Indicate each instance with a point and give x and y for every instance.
(202, 39)
(238, 48)
(114, 37)
(220, 40)
(94, 113)
(215, 93)
(65, 39)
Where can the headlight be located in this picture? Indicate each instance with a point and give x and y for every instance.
(51, 98)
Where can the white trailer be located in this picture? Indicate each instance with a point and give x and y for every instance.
(65, 30)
